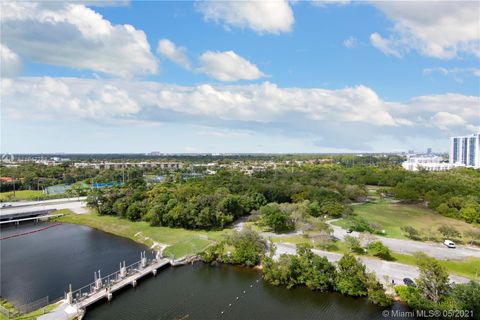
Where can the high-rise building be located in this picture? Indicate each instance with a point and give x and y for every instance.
(465, 150)
(429, 151)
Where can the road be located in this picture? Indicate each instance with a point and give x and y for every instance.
(436, 250)
(77, 205)
(386, 271)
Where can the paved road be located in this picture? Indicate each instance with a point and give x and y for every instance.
(436, 250)
(385, 270)
(77, 206)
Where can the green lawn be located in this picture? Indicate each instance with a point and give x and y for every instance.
(29, 316)
(21, 195)
(181, 242)
(392, 216)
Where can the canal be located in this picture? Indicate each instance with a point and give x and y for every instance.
(44, 263)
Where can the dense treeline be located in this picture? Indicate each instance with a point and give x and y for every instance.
(217, 200)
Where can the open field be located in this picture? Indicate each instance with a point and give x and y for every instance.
(392, 216)
(21, 195)
(29, 195)
(181, 242)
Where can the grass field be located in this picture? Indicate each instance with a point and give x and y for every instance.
(181, 242)
(29, 316)
(21, 195)
(392, 216)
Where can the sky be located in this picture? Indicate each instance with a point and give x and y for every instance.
(238, 76)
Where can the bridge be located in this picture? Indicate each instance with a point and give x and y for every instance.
(31, 209)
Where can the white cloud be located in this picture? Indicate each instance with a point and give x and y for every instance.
(387, 46)
(176, 54)
(458, 74)
(447, 111)
(260, 16)
(351, 42)
(10, 63)
(440, 29)
(330, 2)
(228, 66)
(73, 35)
(57, 98)
(444, 120)
(348, 118)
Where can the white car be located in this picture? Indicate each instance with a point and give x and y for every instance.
(449, 243)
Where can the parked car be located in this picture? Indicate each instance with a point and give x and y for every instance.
(449, 243)
(409, 282)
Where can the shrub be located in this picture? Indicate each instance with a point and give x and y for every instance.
(448, 231)
(378, 249)
(411, 232)
(359, 224)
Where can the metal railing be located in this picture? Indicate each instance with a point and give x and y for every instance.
(108, 281)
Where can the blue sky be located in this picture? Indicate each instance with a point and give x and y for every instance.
(238, 76)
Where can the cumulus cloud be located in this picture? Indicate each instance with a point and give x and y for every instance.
(228, 66)
(440, 29)
(260, 16)
(176, 54)
(444, 120)
(73, 35)
(347, 118)
(447, 111)
(10, 63)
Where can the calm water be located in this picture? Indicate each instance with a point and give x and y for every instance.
(44, 263)
(203, 292)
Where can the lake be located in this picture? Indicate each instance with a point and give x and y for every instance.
(44, 263)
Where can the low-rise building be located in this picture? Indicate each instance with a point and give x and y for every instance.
(429, 163)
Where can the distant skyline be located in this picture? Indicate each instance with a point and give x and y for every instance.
(238, 77)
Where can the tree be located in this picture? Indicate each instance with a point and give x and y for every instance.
(332, 208)
(376, 292)
(433, 280)
(277, 219)
(470, 214)
(351, 278)
(313, 209)
(468, 296)
(248, 246)
(316, 272)
(378, 249)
